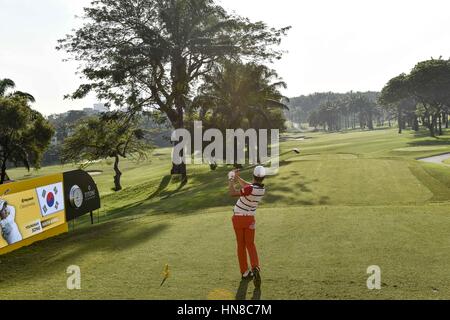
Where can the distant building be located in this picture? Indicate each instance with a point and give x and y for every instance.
(89, 111)
(54, 117)
(54, 141)
(100, 107)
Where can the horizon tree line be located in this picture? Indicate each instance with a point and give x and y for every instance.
(348, 111)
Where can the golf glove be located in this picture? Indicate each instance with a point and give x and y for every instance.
(231, 175)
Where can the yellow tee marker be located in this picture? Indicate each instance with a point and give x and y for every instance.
(166, 274)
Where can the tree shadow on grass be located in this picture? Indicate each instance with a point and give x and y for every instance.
(166, 195)
(324, 200)
(440, 141)
(206, 190)
(162, 186)
(107, 239)
(272, 198)
(140, 207)
(302, 186)
(51, 256)
(161, 190)
(425, 133)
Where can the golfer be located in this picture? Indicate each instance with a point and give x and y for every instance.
(8, 225)
(250, 195)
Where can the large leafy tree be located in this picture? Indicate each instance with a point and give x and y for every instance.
(65, 124)
(429, 84)
(24, 136)
(151, 53)
(396, 97)
(330, 115)
(365, 109)
(109, 136)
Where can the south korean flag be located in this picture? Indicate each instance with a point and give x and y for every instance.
(51, 199)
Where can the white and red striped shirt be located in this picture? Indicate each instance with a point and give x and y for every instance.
(247, 203)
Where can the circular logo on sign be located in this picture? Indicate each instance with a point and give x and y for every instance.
(76, 196)
(50, 199)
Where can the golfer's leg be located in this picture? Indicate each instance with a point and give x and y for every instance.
(251, 247)
(241, 252)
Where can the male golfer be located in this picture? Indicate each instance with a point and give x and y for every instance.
(250, 194)
(8, 225)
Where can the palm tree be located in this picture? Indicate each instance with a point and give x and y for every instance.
(237, 95)
(6, 84)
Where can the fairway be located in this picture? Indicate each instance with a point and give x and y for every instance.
(348, 201)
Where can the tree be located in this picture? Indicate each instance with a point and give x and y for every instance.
(6, 84)
(237, 95)
(109, 136)
(365, 108)
(64, 125)
(396, 96)
(313, 119)
(24, 134)
(152, 53)
(429, 84)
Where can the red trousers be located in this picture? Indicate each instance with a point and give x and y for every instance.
(244, 227)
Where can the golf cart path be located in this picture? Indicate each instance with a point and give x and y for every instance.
(437, 159)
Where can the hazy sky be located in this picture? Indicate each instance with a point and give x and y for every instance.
(334, 45)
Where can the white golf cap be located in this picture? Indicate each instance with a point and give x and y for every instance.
(259, 172)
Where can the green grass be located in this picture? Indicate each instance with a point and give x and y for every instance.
(350, 200)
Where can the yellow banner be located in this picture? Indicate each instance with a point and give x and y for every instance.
(30, 211)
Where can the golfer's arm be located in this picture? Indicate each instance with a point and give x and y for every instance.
(232, 190)
(243, 183)
(12, 212)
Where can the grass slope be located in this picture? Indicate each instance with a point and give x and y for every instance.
(350, 200)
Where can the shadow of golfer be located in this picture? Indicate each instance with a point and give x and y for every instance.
(256, 294)
(241, 293)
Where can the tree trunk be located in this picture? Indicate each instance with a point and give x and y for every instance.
(432, 126)
(400, 119)
(416, 124)
(181, 89)
(180, 169)
(117, 185)
(3, 173)
(370, 121)
(435, 121)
